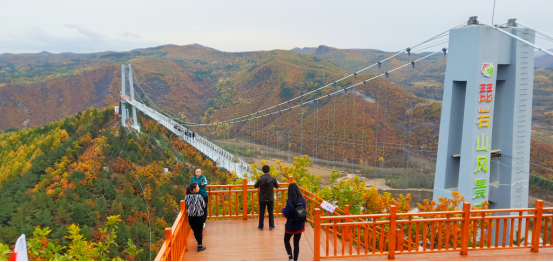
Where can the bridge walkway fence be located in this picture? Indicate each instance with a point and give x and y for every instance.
(222, 158)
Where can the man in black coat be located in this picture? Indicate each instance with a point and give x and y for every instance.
(266, 183)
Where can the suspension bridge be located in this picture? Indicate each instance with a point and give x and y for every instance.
(341, 235)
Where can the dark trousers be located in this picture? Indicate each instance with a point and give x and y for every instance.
(297, 238)
(197, 225)
(206, 200)
(269, 205)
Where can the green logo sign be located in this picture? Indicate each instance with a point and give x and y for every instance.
(487, 70)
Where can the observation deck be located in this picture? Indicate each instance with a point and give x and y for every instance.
(231, 232)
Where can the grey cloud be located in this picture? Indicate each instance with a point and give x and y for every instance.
(128, 34)
(69, 38)
(84, 30)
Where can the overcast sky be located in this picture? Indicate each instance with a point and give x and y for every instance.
(390, 25)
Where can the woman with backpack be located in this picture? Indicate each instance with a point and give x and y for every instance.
(195, 205)
(295, 222)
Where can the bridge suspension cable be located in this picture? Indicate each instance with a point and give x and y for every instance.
(408, 50)
(419, 47)
(518, 38)
(544, 35)
(320, 97)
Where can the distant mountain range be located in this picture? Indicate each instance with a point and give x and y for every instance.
(202, 83)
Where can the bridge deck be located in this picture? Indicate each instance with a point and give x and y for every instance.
(240, 240)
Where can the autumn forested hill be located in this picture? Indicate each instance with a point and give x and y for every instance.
(90, 172)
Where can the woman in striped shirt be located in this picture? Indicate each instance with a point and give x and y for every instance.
(195, 205)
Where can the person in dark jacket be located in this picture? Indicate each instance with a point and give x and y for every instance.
(293, 228)
(195, 205)
(266, 183)
(193, 135)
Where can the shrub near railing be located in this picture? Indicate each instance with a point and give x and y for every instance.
(447, 231)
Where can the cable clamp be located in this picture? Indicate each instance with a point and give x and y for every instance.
(355, 75)
(444, 50)
(408, 51)
(413, 64)
(379, 64)
(386, 74)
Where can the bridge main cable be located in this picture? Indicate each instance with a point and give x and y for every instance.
(518, 38)
(408, 50)
(327, 95)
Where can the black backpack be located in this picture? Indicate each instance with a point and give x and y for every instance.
(300, 215)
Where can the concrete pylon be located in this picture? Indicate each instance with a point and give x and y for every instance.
(131, 86)
(485, 129)
(127, 71)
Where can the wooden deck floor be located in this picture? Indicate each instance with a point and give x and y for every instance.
(241, 240)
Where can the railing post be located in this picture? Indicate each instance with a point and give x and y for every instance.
(346, 228)
(245, 198)
(465, 230)
(186, 225)
(317, 235)
(168, 235)
(290, 179)
(392, 231)
(536, 231)
(399, 240)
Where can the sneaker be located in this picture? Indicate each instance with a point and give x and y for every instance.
(204, 225)
(260, 228)
(290, 258)
(271, 228)
(202, 248)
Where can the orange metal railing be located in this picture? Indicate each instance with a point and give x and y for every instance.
(343, 235)
(241, 201)
(176, 238)
(225, 202)
(431, 232)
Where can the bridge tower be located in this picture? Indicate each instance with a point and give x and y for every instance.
(484, 142)
(127, 71)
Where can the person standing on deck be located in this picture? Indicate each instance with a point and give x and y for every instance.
(295, 221)
(266, 183)
(195, 206)
(202, 182)
(193, 135)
